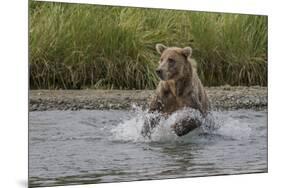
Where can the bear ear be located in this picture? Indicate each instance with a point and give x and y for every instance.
(187, 51)
(160, 48)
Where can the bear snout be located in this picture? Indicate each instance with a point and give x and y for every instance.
(159, 73)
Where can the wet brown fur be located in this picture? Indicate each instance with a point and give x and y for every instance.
(181, 86)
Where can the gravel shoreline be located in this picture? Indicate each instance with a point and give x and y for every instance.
(222, 98)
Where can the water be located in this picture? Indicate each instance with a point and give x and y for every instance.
(79, 147)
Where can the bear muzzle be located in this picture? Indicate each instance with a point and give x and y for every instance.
(159, 73)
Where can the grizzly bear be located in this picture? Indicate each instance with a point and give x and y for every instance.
(179, 87)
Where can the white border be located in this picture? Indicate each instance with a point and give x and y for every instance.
(13, 98)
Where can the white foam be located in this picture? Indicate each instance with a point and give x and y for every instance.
(217, 123)
(130, 130)
(231, 127)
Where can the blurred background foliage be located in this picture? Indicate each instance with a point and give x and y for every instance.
(76, 46)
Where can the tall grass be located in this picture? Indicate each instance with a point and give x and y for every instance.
(80, 46)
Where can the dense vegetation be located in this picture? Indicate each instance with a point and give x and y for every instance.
(89, 46)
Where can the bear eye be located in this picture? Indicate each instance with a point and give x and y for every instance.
(171, 61)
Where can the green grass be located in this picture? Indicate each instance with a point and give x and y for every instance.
(89, 46)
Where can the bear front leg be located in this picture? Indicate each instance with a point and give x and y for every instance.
(197, 104)
(151, 122)
(185, 126)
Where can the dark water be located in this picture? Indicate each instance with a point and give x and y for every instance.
(79, 147)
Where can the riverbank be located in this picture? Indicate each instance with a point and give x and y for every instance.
(222, 98)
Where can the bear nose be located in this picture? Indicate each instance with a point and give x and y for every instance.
(158, 72)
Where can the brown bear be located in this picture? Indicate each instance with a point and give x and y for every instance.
(179, 87)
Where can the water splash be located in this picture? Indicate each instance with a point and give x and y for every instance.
(230, 127)
(216, 123)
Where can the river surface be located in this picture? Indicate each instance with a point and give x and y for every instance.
(81, 147)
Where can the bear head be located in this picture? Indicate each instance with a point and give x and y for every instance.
(174, 62)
